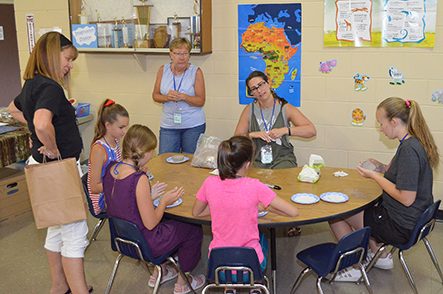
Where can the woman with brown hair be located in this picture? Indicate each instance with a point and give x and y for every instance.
(42, 104)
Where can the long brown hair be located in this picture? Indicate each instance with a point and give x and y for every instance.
(265, 78)
(138, 140)
(45, 58)
(233, 154)
(410, 114)
(108, 114)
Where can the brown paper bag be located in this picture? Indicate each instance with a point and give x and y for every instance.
(56, 193)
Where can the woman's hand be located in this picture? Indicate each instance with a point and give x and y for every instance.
(50, 154)
(174, 96)
(158, 189)
(366, 172)
(278, 133)
(260, 135)
(173, 195)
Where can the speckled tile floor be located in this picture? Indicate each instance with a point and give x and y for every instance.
(24, 268)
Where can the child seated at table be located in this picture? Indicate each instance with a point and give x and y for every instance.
(128, 196)
(232, 200)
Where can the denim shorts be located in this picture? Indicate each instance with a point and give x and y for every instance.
(180, 140)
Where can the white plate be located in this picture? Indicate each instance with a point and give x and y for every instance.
(263, 213)
(169, 160)
(305, 198)
(176, 203)
(334, 197)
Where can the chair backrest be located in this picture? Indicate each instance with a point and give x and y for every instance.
(88, 199)
(424, 226)
(350, 250)
(234, 257)
(127, 239)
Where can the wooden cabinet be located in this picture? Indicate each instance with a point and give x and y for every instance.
(205, 32)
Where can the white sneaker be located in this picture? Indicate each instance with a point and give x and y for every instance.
(349, 274)
(386, 263)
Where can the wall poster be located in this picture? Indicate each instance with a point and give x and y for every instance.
(269, 38)
(379, 23)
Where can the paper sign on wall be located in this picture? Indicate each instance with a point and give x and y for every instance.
(2, 37)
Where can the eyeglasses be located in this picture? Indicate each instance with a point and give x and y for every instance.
(180, 54)
(259, 86)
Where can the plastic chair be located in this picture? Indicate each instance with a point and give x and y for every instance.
(240, 259)
(329, 258)
(424, 226)
(128, 240)
(102, 216)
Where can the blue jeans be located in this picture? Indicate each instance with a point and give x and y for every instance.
(180, 140)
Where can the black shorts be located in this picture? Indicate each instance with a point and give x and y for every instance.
(383, 229)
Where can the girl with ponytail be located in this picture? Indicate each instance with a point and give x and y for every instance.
(129, 196)
(112, 121)
(233, 200)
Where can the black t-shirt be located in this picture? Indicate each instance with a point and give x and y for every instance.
(410, 171)
(44, 93)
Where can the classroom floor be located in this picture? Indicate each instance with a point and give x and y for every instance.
(24, 268)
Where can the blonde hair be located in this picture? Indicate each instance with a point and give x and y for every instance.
(180, 43)
(45, 59)
(410, 114)
(138, 140)
(107, 114)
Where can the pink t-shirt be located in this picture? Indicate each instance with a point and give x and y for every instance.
(234, 210)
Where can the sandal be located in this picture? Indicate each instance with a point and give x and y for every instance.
(196, 282)
(90, 289)
(294, 231)
(171, 273)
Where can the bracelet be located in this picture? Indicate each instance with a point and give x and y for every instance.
(289, 131)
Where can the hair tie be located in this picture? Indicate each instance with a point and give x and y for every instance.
(110, 102)
(408, 103)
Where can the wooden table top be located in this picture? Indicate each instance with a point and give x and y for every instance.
(362, 192)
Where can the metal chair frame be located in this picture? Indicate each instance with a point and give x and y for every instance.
(426, 229)
(145, 261)
(359, 250)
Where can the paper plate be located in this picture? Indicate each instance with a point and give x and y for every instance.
(176, 203)
(263, 213)
(150, 175)
(334, 197)
(169, 160)
(305, 198)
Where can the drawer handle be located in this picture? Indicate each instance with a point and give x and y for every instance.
(11, 185)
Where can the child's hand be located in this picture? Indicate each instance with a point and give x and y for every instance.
(172, 195)
(158, 189)
(366, 172)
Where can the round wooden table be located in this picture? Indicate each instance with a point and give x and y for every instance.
(362, 193)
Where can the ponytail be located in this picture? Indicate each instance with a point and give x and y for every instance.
(107, 112)
(410, 114)
(138, 140)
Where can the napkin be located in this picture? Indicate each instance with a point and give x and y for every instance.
(310, 173)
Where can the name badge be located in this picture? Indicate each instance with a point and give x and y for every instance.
(266, 154)
(177, 118)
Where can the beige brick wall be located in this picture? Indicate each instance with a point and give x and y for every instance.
(326, 99)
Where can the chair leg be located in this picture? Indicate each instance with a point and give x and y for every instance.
(434, 259)
(299, 279)
(319, 289)
(171, 259)
(374, 260)
(159, 278)
(114, 271)
(95, 232)
(365, 278)
(406, 270)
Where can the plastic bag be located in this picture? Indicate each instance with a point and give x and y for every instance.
(310, 173)
(205, 154)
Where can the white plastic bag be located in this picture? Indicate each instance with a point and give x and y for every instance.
(310, 173)
(205, 154)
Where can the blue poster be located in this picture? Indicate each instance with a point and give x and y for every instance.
(269, 38)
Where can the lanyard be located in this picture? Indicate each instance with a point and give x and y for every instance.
(401, 141)
(121, 162)
(181, 80)
(272, 116)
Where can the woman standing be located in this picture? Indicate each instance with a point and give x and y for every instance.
(267, 122)
(42, 104)
(180, 87)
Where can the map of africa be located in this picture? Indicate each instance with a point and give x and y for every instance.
(270, 41)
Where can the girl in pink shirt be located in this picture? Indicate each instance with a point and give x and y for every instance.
(233, 200)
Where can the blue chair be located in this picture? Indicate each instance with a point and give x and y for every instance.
(102, 216)
(128, 240)
(424, 226)
(329, 258)
(224, 260)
